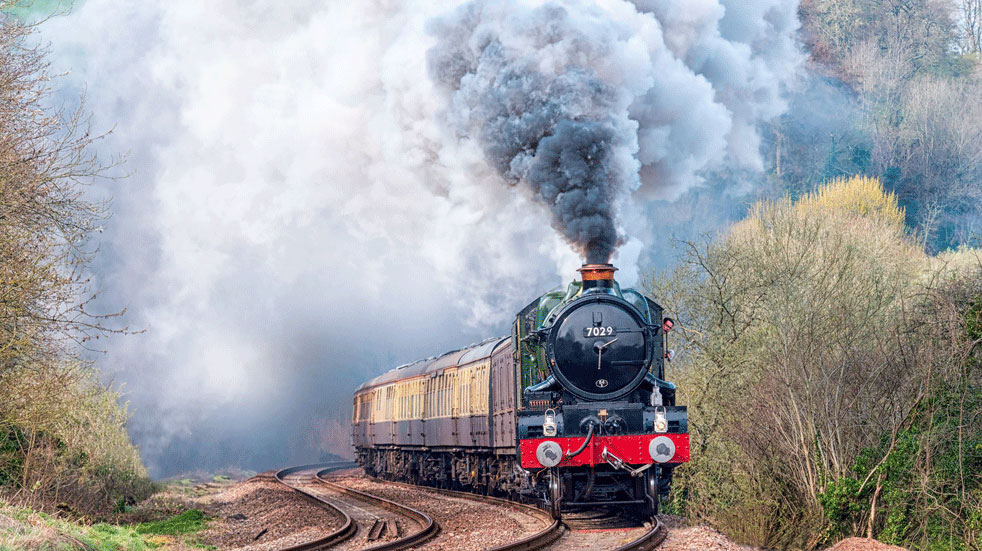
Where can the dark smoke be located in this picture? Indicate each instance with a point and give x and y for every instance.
(571, 172)
(553, 133)
(586, 102)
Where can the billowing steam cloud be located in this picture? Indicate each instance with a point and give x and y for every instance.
(577, 99)
(523, 82)
(316, 188)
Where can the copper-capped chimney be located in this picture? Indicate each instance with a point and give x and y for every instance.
(597, 276)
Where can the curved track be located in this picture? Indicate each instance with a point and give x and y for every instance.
(608, 540)
(554, 529)
(558, 536)
(370, 516)
(428, 528)
(650, 540)
(348, 527)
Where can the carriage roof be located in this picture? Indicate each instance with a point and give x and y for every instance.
(437, 364)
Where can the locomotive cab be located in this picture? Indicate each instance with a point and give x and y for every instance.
(598, 422)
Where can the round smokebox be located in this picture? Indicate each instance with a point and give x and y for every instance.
(600, 347)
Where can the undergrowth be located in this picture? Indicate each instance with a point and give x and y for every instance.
(23, 529)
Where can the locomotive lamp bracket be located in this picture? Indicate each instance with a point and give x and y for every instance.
(549, 423)
(661, 419)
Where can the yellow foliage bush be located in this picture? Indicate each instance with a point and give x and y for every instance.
(63, 439)
(857, 196)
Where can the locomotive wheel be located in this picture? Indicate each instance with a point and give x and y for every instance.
(555, 494)
(651, 492)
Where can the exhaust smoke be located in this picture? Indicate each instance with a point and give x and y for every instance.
(581, 104)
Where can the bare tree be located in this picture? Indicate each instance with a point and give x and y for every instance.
(971, 21)
(46, 220)
(62, 434)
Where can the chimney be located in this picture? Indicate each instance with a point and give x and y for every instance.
(597, 276)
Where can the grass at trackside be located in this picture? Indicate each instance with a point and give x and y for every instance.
(23, 529)
(26, 529)
(188, 522)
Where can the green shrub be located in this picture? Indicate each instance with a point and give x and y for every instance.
(66, 443)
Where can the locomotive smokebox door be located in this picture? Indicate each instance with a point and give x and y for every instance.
(600, 347)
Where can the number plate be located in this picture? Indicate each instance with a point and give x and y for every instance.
(607, 331)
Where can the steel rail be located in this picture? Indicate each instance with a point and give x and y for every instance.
(348, 529)
(539, 540)
(650, 540)
(552, 532)
(429, 527)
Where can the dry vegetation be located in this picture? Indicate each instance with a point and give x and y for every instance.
(832, 370)
(62, 437)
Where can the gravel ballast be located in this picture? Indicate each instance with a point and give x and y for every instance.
(247, 509)
(465, 524)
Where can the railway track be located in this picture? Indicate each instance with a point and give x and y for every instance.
(598, 536)
(428, 528)
(347, 529)
(375, 517)
(649, 540)
(554, 529)
(367, 518)
(558, 535)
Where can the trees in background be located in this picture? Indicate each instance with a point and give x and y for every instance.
(832, 373)
(911, 68)
(971, 16)
(62, 435)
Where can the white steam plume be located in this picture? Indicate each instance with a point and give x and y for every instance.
(309, 207)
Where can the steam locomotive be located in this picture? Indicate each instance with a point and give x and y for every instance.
(572, 409)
